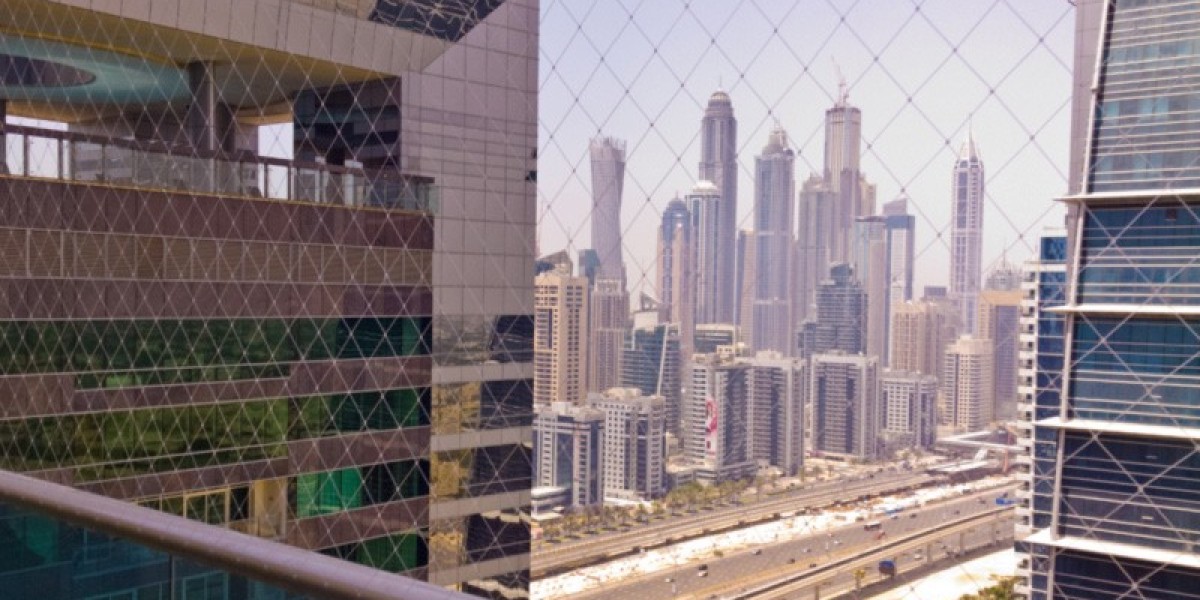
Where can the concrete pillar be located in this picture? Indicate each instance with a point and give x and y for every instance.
(209, 122)
(3, 145)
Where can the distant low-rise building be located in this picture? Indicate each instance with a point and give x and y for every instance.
(845, 394)
(568, 450)
(967, 393)
(634, 459)
(909, 402)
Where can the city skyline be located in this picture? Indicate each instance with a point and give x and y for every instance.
(560, 298)
(905, 151)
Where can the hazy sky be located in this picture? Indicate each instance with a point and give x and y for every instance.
(919, 70)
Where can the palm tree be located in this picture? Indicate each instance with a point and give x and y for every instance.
(859, 574)
(1005, 589)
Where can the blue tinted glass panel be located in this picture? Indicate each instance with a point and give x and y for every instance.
(1138, 370)
(1131, 490)
(1141, 254)
(1141, 140)
(48, 559)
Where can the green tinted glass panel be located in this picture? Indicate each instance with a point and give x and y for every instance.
(395, 481)
(316, 416)
(130, 353)
(394, 553)
(121, 443)
(328, 492)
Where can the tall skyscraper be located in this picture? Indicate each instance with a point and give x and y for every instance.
(1005, 276)
(635, 448)
(589, 265)
(560, 322)
(921, 331)
(652, 362)
(1040, 388)
(558, 261)
(609, 306)
(1122, 491)
(568, 449)
(853, 196)
(704, 206)
(967, 394)
(870, 264)
(814, 233)
(250, 341)
(829, 204)
(844, 392)
(774, 197)
(713, 336)
(674, 273)
(608, 316)
(966, 231)
(999, 320)
(608, 185)
(718, 164)
(901, 244)
(909, 403)
(746, 276)
(841, 315)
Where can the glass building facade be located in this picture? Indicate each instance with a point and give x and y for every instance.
(1115, 502)
(68, 544)
(1039, 388)
(47, 558)
(651, 362)
(269, 268)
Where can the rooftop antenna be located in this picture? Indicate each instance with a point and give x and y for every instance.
(843, 91)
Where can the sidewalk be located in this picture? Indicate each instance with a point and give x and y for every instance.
(959, 580)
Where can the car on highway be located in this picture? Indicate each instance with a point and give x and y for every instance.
(757, 551)
(702, 571)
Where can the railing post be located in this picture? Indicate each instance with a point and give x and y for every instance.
(25, 155)
(3, 137)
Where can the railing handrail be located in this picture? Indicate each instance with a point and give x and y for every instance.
(297, 570)
(180, 150)
(365, 176)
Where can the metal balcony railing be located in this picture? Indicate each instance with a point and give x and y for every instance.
(143, 531)
(73, 156)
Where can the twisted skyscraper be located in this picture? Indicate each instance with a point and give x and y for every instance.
(608, 183)
(609, 307)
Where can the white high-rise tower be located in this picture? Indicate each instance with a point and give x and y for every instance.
(966, 232)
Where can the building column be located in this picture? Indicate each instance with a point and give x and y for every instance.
(3, 142)
(208, 122)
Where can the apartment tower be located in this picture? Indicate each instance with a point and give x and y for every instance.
(278, 344)
(1122, 491)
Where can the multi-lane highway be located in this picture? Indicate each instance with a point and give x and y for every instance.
(549, 559)
(753, 566)
(940, 544)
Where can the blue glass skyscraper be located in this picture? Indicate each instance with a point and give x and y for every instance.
(1123, 500)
